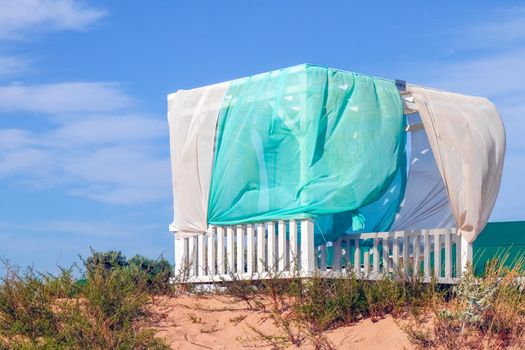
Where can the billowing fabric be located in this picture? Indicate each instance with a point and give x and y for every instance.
(377, 216)
(425, 204)
(192, 117)
(303, 142)
(468, 141)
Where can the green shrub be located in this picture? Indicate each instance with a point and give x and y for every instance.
(110, 309)
(106, 260)
(158, 272)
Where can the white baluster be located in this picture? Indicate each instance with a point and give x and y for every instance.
(357, 257)
(395, 255)
(261, 248)
(181, 256)
(426, 254)
(192, 250)
(201, 251)
(240, 249)
(415, 237)
(220, 251)
(437, 253)
(250, 251)
(386, 256)
(230, 254)
(211, 250)
(294, 254)
(375, 257)
(272, 244)
(336, 255)
(282, 246)
(307, 246)
(448, 255)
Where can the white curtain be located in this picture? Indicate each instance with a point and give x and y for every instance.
(425, 204)
(468, 141)
(192, 118)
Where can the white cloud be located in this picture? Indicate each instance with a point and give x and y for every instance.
(19, 17)
(101, 129)
(24, 160)
(494, 76)
(64, 98)
(10, 66)
(94, 148)
(507, 26)
(121, 175)
(109, 158)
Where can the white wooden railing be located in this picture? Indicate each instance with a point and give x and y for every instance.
(272, 249)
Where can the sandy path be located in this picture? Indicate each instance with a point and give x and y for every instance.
(214, 322)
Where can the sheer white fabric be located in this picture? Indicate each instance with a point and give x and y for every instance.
(425, 204)
(192, 118)
(468, 141)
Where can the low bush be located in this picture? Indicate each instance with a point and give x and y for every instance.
(158, 272)
(109, 309)
(482, 312)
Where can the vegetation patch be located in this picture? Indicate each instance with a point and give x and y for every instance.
(107, 308)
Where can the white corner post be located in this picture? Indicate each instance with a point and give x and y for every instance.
(307, 246)
(466, 253)
(181, 254)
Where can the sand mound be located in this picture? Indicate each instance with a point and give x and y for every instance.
(215, 322)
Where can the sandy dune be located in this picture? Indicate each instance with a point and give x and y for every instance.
(214, 322)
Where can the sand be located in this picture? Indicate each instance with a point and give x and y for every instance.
(216, 322)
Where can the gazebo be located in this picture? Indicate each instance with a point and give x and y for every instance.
(310, 169)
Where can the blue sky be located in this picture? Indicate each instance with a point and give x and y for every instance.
(84, 156)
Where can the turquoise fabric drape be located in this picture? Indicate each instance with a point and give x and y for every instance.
(303, 142)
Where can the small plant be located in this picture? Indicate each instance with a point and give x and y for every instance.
(238, 319)
(194, 319)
